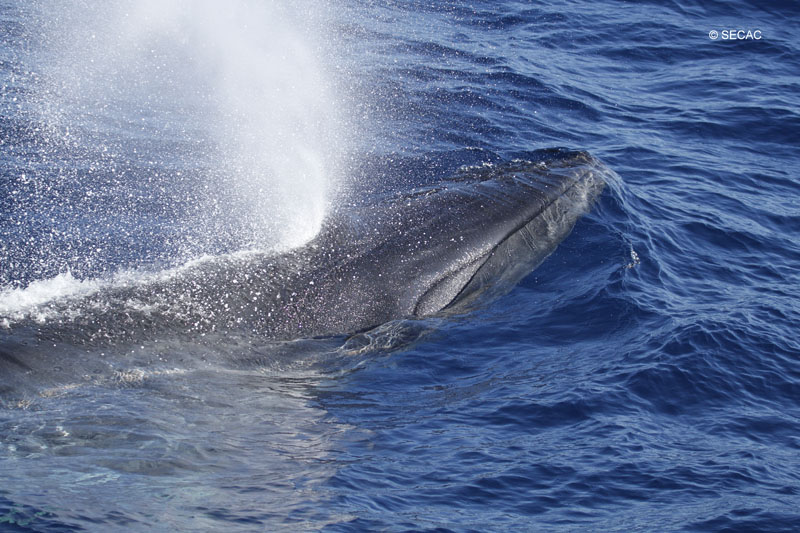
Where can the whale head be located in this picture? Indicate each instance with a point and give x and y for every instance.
(451, 245)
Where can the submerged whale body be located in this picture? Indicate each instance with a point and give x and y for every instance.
(440, 248)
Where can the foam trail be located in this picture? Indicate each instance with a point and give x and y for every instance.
(16, 304)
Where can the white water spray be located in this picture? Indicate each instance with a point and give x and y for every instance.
(240, 87)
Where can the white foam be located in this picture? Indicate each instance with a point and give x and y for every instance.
(36, 300)
(32, 301)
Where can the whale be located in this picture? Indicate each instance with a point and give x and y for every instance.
(444, 248)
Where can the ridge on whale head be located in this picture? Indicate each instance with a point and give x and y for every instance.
(415, 254)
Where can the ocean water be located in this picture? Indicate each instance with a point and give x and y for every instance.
(646, 377)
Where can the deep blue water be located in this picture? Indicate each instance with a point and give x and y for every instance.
(646, 377)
